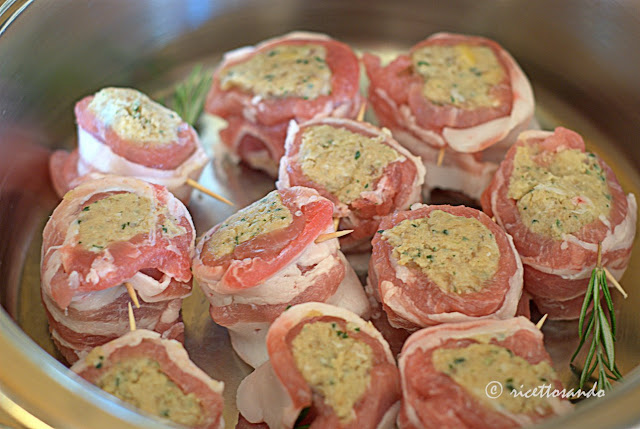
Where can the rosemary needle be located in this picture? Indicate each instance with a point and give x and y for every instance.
(188, 98)
(600, 325)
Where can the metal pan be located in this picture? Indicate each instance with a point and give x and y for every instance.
(582, 59)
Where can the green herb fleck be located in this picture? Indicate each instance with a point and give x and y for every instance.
(357, 154)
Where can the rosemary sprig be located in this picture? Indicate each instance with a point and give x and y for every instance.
(188, 98)
(601, 322)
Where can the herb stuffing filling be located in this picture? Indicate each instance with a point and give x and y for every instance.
(266, 215)
(558, 192)
(477, 365)
(344, 162)
(141, 382)
(135, 117)
(119, 218)
(294, 70)
(463, 75)
(336, 365)
(457, 253)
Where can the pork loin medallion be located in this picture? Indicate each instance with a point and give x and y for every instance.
(461, 94)
(155, 375)
(105, 233)
(264, 259)
(441, 264)
(327, 368)
(357, 166)
(121, 131)
(258, 90)
(465, 375)
(558, 202)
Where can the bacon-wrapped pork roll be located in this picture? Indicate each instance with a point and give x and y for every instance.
(558, 202)
(439, 264)
(466, 375)
(327, 360)
(264, 259)
(359, 167)
(123, 132)
(156, 376)
(463, 94)
(104, 233)
(258, 90)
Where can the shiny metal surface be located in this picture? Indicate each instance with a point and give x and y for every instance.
(581, 56)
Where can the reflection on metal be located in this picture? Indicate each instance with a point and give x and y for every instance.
(21, 415)
(10, 10)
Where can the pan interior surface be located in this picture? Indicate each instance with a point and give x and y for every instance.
(581, 59)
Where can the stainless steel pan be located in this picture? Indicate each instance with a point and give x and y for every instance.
(582, 57)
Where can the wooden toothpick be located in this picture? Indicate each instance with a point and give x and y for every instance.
(615, 283)
(132, 294)
(209, 192)
(541, 321)
(132, 320)
(336, 223)
(325, 237)
(361, 112)
(440, 157)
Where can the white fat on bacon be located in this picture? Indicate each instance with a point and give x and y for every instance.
(461, 172)
(249, 338)
(283, 286)
(98, 158)
(261, 396)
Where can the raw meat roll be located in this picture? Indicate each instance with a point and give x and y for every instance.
(357, 166)
(558, 202)
(264, 259)
(104, 233)
(327, 368)
(123, 132)
(156, 376)
(463, 94)
(441, 264)
(466, 375)
(258, 90)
